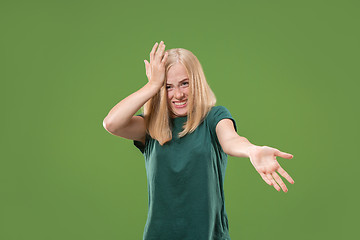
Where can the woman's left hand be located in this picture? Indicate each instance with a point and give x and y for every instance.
(263, 158)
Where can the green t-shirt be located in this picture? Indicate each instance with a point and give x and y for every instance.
(185, 183)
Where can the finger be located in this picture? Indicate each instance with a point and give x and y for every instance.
(152, 53)
(285, 175)
(147, 68)
(276, 186)
(160, 51)
(163, 61)
(265, 179)
(284, 154)
(279, 181)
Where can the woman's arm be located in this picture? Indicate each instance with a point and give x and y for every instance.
(121, 114)
(263, 158)
(120, 120)
(231, 143)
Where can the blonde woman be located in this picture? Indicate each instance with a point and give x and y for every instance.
(185, 140)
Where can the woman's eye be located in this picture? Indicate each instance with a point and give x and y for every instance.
(185, 83)
(168, 87)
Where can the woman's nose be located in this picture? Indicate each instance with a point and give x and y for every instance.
(178, 93)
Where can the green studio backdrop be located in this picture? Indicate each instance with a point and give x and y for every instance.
(286, 70)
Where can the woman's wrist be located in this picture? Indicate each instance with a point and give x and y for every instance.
(251, 150)
(153, 86)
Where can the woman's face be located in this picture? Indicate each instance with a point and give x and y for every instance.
(177, 87)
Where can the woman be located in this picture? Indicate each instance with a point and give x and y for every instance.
(185, 140)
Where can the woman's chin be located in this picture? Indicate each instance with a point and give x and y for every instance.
(177, 113)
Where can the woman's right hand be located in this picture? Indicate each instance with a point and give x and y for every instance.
(155, 70)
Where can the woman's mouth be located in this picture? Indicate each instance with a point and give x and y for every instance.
(180, 104)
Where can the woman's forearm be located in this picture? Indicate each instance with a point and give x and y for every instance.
(121, 113)
(240, 147)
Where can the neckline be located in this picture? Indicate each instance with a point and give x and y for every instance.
(183, 117)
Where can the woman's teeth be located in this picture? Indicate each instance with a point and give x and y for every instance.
(179, 103)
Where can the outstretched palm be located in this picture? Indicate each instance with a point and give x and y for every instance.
(264, 160)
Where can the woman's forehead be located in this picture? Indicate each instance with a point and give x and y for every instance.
(176, 73)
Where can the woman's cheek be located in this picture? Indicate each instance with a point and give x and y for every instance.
(169, 95)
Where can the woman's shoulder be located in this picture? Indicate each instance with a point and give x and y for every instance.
(216, 110)
(216, 114)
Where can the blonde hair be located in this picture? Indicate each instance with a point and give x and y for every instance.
(200, 100)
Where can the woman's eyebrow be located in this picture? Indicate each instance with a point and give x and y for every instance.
(184, 79)
(179, 81)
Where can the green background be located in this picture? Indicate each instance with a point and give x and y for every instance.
(288, 71)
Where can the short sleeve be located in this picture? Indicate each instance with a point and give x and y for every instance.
(215, 115)
(139, 144)
(218, 113)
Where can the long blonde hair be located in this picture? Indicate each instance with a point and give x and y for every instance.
(200, 100)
